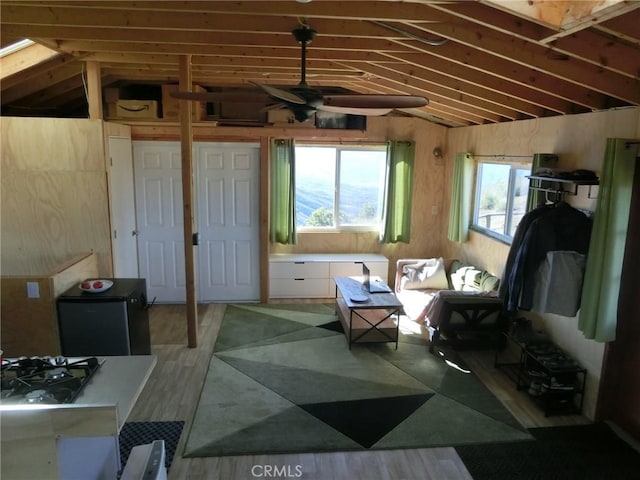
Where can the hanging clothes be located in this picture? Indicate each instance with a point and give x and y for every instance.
(558, 283)
(556, 227)
(504, 291)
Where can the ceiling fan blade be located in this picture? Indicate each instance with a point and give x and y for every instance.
(246, 97)
(275, 106)
(281, 94)
(374, 101)
(303, 100)
(369, 112)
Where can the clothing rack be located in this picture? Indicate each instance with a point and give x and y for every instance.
(535, 183)
(502, 155)
(516, 158)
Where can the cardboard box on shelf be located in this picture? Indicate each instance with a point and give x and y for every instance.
(140, 109)
(171, 105)
(284, 117)
(280, 116)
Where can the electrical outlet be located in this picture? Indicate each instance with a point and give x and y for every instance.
(33, 290)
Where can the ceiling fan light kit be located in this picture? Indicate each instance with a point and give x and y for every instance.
(303, 101)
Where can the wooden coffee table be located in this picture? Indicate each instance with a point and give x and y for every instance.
(366, 317)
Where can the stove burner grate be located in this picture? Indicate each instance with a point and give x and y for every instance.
(45, 380)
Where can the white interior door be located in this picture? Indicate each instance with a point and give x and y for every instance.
(158, 184)
(123, 214)
(228, 221)
(227, 209)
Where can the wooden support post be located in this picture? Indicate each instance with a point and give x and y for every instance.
(265, 211)
(186, 141)
(94, 90)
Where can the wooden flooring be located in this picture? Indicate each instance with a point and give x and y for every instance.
(174, 387)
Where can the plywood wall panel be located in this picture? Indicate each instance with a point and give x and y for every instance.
(50, 216)
(54, 194)
(30, 441)
(45, 144)
(29, 325)
(73, 272)
(579, 141)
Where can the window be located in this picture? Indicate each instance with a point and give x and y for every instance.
(15, 47)
(340, 187)
(501, 198)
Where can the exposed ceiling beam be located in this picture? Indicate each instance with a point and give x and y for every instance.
(495, 64)
(25, 58)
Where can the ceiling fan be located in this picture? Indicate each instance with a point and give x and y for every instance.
(303, 101)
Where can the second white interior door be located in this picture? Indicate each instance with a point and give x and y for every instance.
(226, 180)
(228, 210)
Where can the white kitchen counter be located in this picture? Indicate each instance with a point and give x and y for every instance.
(37, 439)
(119, 381)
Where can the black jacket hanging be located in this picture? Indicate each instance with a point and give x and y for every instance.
(548, 228)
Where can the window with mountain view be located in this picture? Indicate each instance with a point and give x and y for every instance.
(501, 198)
(340, 187)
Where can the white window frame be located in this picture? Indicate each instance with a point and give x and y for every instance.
(337, 227)
(511, 188)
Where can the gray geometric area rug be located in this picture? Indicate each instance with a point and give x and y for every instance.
(283, 380)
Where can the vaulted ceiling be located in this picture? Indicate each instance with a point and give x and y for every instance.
(477, 62)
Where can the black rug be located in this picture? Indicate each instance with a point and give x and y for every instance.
(142, 433)
(581, 452)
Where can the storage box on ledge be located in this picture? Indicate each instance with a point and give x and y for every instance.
(171, 105)
(138, 109)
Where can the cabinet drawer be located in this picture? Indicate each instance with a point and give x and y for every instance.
(301, 288)
(345, 269)
(299, 270)
(349, 269)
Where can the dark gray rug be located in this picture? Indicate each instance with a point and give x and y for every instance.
(142, 433)
(582, 452)
(282, 379)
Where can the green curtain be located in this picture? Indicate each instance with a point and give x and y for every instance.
(397, 212)
(540, 160)
(535, 197)
(283, 189)
(461, 191)
(598, 314)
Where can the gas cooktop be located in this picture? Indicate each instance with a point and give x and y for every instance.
(45, 380)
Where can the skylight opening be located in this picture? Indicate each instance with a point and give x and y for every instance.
(16, 46)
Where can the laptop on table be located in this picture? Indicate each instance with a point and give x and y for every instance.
(377, 286)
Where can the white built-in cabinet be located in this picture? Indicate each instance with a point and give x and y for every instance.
(310, 275)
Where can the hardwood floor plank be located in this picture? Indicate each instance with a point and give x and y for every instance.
(173, 392)
(516, 401)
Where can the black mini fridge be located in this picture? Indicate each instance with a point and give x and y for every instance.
(113, 322)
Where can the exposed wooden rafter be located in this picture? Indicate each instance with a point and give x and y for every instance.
(498, 61)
